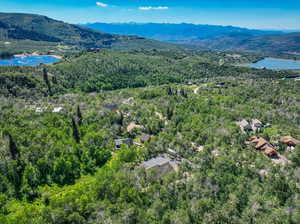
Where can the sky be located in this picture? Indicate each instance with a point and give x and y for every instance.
(259, 14)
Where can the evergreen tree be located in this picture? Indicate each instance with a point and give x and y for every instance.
(14, 151)
(75, 130)
(79, 116)
(46, 79)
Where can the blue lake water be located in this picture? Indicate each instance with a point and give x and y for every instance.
(276, 64)
(29, 60)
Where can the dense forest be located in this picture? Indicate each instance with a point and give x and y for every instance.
(60, 124)
(109, 70)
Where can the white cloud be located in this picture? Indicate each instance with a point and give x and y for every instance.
(101, 4)
(147, 8)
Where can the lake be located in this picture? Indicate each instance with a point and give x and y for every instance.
(276, 64)
(29, 60)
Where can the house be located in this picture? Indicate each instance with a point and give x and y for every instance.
(271, 152)
(133, 125)
(216, 152)
(145, 138)
(267, 125)
(40, 109)
(138, 144)
(256, 124)
(220, 84)
(113, 107)
(127, 114)
(263, 172)
(160, 165)
(94, 50)
(57, 109)
(244, 126)
(120, 142)
(172, 152)
(253, 125)
(197, 148)
(128, 101)
(235, 56)
(289, 140)
(261, 143)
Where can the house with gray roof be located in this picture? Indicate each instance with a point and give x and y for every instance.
(113, 107)
(125, 141)
(160, 165)
(145, 138)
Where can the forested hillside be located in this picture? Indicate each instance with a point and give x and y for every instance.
(287, 45)
(61, 160)
(18, 27)
(109, 70)
(62, 167)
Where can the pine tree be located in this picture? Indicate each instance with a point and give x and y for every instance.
(121, 119)
(75, 130)
(79, 116)
(46, 79)
(170, 113)
(14, 151)
(169, 91)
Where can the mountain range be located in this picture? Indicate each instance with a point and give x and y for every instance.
(31, 32)
(176, 32)
(210, 37)
(36, 28)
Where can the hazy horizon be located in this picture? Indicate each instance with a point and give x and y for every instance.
(250, 14)
(133, 22)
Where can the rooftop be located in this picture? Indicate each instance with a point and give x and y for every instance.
(289, 140)
(111, 107)
(145, 138)
(158, 161)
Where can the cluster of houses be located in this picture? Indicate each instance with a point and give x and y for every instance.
(263, 145)
(160, 165)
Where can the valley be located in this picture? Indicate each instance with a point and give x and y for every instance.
(125, 129)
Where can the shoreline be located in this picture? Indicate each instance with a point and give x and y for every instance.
(250, 65)
(33, 62)
(285, 59)
(30, 55)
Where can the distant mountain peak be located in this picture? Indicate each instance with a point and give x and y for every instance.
(212, 37)
(20, 26)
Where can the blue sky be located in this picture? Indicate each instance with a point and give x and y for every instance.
(261, 14)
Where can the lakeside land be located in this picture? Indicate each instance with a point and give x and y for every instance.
(162, 135)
